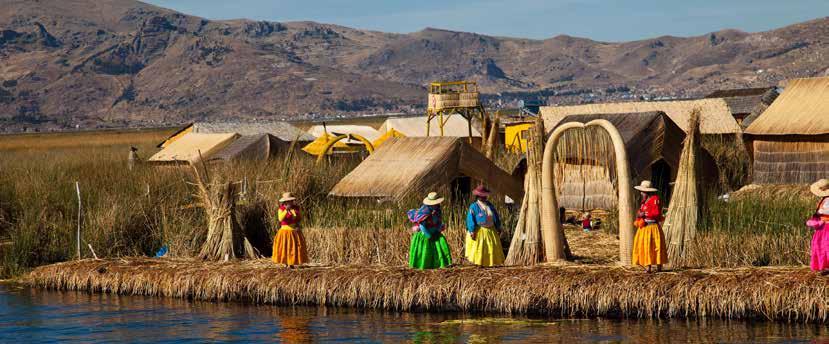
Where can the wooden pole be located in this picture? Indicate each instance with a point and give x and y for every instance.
(78, 236)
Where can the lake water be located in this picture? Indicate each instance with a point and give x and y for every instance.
(28, 315)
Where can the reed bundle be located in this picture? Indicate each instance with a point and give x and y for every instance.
(790, 294)
(225, 237)
(526, 247)
(683, 214)
(491, 147)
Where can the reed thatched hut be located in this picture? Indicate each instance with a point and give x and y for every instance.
(745, 102)
(715, 115)
(282, 131)
(191, 147)
(251, 147)
(789, 142)
(412, 165)
(585, 179)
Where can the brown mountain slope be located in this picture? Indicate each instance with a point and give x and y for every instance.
(123, 62)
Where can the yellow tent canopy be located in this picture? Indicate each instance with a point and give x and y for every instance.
(316, 146)
(389, 134)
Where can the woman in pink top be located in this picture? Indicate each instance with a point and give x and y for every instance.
(820, 222)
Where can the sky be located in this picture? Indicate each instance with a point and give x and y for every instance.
(604, 20)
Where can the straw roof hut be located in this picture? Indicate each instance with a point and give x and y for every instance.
(715, 116)
(411, 165)
(251, 147)
(585, 178)
(283, 131)
(746, 101)
(789, 142)
(190, 146)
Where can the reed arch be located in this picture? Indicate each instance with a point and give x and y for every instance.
(338, 138)
(551, 232)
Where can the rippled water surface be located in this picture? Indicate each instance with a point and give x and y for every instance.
(28, 315)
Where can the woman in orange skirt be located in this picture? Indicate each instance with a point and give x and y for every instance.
(649, 242)
(289, 244)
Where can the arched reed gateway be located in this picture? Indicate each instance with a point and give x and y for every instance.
(551, 231)
(583, 163)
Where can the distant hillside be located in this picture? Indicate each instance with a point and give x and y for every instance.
(122, 62)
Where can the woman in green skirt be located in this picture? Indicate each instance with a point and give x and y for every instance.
(429, 249)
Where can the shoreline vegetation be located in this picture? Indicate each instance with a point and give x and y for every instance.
(749, 255)
(773, 293)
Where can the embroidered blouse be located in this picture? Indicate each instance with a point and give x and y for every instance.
(482, 214)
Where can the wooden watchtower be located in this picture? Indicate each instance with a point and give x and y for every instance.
(454, 97)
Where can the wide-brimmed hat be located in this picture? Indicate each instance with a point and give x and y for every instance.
(287, 197)
(645, 186)
(432, 199)
(820, 188)
(481, 191)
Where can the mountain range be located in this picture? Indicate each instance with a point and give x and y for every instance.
(92, 63)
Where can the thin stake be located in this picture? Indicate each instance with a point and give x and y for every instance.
(78, 191)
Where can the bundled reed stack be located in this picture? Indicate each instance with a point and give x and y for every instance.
(526, 247)
(492, 139)
(225, 237)
(683, 214)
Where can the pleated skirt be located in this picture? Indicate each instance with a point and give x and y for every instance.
(486, 249)
(649, 246)
(289, 247)
(429, 253)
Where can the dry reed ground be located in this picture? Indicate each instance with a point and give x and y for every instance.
(791, 294)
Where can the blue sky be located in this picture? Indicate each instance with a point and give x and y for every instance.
(605, 20)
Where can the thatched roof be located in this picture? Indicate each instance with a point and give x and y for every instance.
(281, 130)
(715, 117)
(802, 109)
(648, 137)
(744, 101)
(456, 126)
(368, 132)
(253, 147)
(188, 146)
(410, 165)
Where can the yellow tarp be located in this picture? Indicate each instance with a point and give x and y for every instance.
(389, 134)
(188, 146)
(316, 146)
(515, 137)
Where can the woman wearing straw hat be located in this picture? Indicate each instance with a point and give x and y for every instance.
(429, 249)
(649, 242)
(289, 244)
(483, 245)
(820, 222)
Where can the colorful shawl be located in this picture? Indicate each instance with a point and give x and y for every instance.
(428, 218)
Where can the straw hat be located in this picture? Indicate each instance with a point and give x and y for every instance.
(645, 186)
(481, 191)
(287, 196)
(820, 188)
(432, 199)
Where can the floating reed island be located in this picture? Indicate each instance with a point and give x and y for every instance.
(788, 294)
